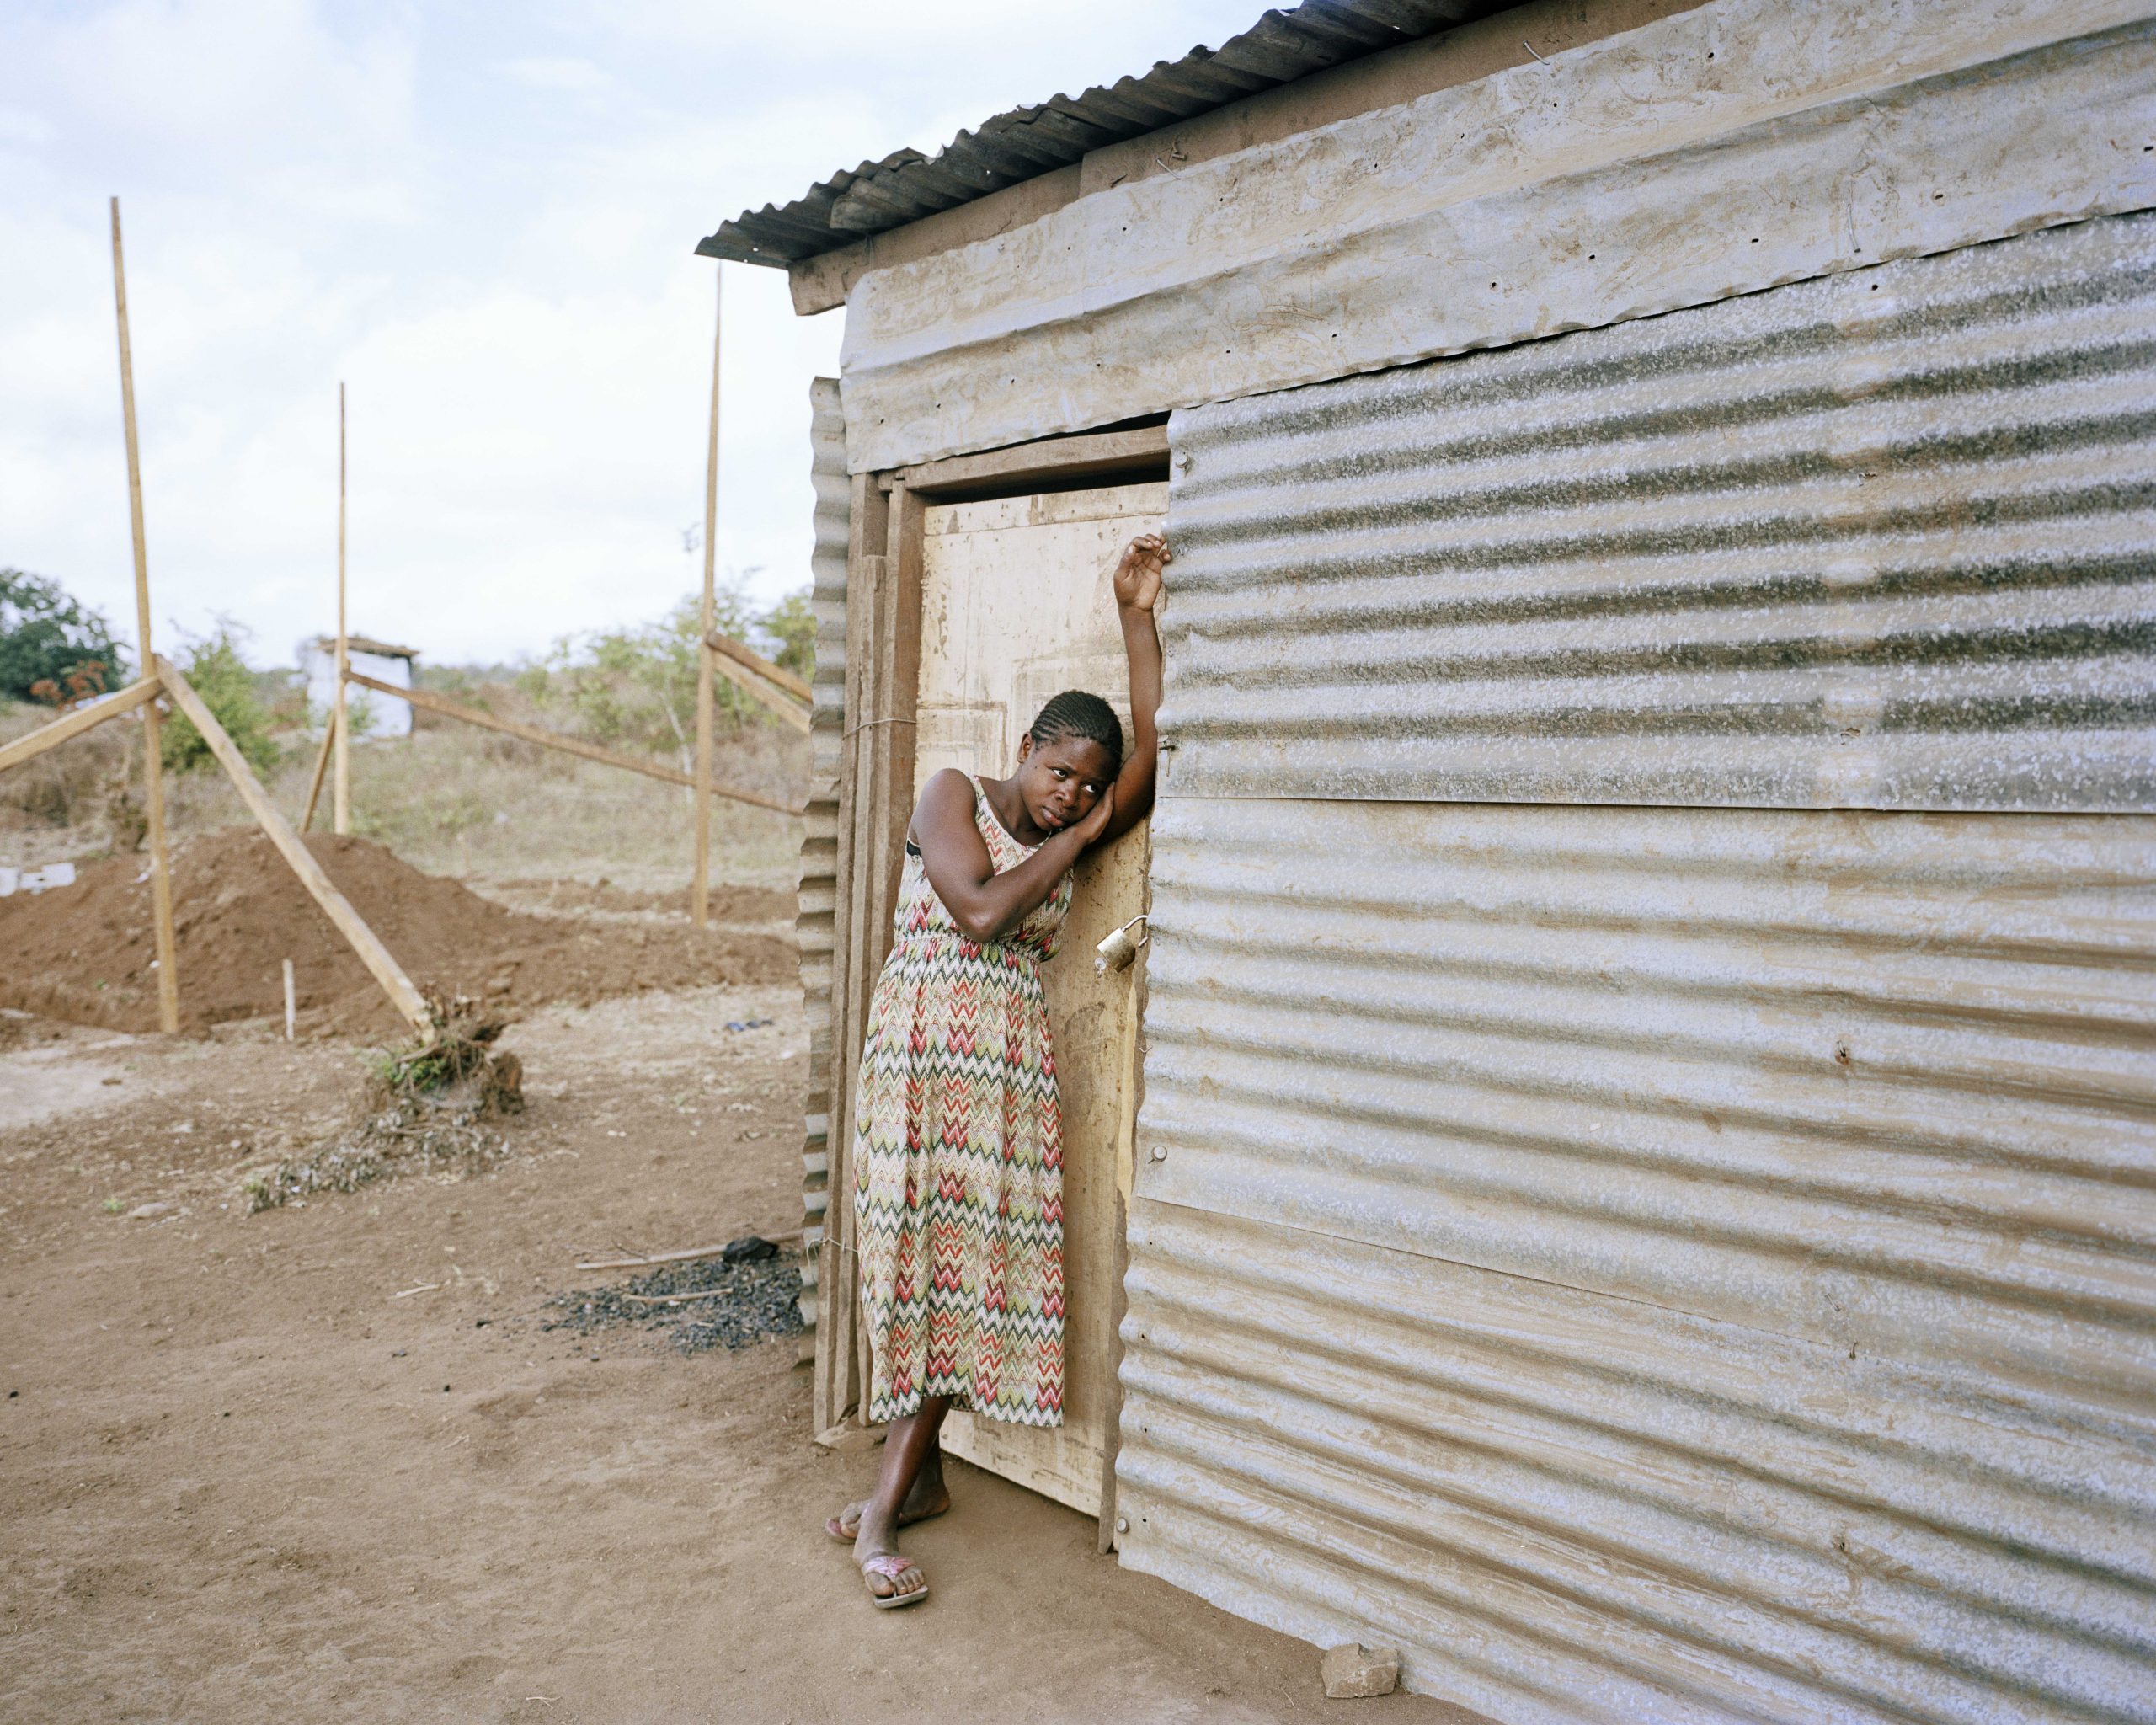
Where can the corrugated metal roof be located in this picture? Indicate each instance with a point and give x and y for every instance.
(1656, 1264)
(1024, 142)
(1883, 539)
(819, 845)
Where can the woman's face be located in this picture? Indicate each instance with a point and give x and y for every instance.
(1060, 780)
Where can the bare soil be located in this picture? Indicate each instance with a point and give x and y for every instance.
(729, 903)
(85, 954)
(322, 1463)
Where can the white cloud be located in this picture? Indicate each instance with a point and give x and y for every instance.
(483, 222)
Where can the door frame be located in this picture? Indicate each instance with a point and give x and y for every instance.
(884, 554)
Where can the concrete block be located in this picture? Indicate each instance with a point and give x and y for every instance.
(1353, 1671)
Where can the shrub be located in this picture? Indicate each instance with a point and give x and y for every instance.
(45, 636)
(213, 665)
(636, 687)
(792, 623)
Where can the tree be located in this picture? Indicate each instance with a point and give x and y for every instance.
(213, 665)
(792, 623)
(637, 686)
(47, 637)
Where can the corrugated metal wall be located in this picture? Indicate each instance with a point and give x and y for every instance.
(820, 844)
(1671, 1263)
(1883, 539)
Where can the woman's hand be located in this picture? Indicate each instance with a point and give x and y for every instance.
(1138, 574)
(1097, 820)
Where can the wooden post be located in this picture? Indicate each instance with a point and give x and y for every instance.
(292, 1002)
(321, 767)
(888, 760)
(153, 770)
(700, 892)
(882, 662)
(340, 797)
(372, 953)
(838, 1386)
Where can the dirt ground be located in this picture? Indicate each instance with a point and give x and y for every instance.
(86, 952)
(324, 1463)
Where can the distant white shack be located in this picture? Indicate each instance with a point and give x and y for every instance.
(385, 716)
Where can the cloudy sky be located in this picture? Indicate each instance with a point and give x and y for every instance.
(481, 218)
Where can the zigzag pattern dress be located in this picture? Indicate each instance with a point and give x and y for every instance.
(959, 1160)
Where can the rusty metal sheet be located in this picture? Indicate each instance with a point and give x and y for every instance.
(1656, 1263)
(1716, 152)
(819, 851)
(1883, 539)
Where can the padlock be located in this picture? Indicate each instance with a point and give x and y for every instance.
(1117, 952)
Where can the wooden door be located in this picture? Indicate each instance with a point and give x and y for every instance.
(1017, 606)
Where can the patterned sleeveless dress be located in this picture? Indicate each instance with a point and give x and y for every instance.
(957, 1156)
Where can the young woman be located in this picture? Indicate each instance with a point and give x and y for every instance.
(958, 1150)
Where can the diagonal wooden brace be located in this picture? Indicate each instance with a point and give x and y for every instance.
(759, 680)
(335, 906)
(73, 724)
(427, 702)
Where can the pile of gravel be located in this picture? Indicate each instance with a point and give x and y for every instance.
(744, 1302)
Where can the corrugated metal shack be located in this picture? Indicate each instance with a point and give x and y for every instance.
(1645, 1189)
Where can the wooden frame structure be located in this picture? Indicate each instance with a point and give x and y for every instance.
(161, 678)
(779, 689)
(773, 685)
(877, 757)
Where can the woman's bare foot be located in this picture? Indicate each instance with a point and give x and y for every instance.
(925, 1503)
(891, 1576)
(911, 1476)
(894, 1580)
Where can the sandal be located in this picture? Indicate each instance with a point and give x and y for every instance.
(891, 1565)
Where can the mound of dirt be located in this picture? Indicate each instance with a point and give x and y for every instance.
(86, 952)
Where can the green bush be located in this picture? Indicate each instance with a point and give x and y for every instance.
(792, 623)
(212, 664)
(636, 687)
(45, 635)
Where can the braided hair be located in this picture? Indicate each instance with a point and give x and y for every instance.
(1075, 713)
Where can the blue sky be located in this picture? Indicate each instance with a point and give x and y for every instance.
(481, 218)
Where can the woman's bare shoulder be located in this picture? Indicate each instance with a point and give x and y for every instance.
(946, 800)
(946, 789)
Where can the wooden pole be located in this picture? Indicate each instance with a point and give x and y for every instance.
(569, 746)
(385, 970)
(340, 799)
(73, 724)
(153, 770)
(700, 893)
(321, 766)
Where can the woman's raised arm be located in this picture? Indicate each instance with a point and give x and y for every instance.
(1137, 597)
